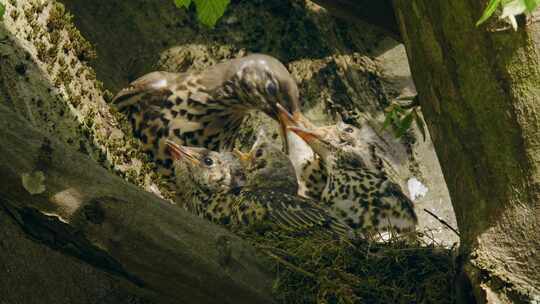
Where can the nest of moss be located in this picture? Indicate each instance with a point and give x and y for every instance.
(317, 268)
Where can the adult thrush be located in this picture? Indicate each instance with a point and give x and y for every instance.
(204, 108)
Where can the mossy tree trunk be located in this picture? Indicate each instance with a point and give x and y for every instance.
(479, 93)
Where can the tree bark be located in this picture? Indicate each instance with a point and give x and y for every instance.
(478, 88)
(159, 251)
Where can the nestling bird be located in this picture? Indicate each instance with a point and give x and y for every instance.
(249, 206)
(200, 172)
(362, 196)
(279, 172)
(204, 108)
(310, 173)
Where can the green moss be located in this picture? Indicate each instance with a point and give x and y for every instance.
(313, 268)
(60, 19)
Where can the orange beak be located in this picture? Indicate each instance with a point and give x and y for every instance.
(245, 158)
(315, 140)
(285, 118)
(295, 119)
(308, 136)
(181, 152)
(302, 120)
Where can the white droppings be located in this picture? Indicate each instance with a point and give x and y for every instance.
(416, 188)
(68, 200)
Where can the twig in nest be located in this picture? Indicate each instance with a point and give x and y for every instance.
(289, 265)
(442, 222)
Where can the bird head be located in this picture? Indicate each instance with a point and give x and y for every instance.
(315, 140)
(267, 166)
(209, 170)
(264, 81)
(341, 133)
(333, 153)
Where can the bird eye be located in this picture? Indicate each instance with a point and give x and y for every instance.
(258, 153)
(271, 88)
(349, 129)
(208, 161)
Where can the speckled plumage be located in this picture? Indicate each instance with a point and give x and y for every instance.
(358, 192)
(204, 108)
(311, 174)
(250, 205)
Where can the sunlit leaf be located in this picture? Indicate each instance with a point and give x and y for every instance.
(209, 11)
(531, 5)
(182, 3)
(2, 11)
(405, 124)
(490, 9)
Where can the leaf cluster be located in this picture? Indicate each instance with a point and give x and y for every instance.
(510, 8)
(401, 119)
(208, 11)
(2, 11)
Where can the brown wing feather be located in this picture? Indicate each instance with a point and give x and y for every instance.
(155, 82)
(292, 213)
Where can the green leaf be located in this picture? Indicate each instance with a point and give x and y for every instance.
(531, 5)
(404, 124)
(209, 11)
(396, 117)
(182, 3)
(2, 11)
(491, 7)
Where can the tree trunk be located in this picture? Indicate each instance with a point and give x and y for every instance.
(66, 201)
(478, 88)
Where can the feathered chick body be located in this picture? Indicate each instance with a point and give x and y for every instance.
(204, 108)
(249, 206)
(266, 156)
(311, 173)
(361, 195)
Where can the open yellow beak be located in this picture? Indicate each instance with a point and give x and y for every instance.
(182, 153)
(245, 158)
